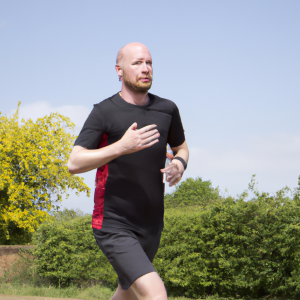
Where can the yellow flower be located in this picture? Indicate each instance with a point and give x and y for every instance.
(33, 170)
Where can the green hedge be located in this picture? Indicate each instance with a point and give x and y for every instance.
(211, 245)
(192, 192)
(67, 253)
(233, 247)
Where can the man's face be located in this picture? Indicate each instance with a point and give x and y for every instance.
(137, 69)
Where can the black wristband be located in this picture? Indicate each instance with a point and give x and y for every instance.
(182, 160)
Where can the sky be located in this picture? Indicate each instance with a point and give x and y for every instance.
(232, 68)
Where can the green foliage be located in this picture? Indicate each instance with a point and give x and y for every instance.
(192, 192)
(33, 171)
(17, 235)
(89, 293)
(96, 292)
(66, 252)
(233, 248)
(210, 246)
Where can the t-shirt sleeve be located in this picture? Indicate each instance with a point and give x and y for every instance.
(176, 133)
(92, 130)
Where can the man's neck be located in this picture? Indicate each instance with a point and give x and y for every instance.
(134, 98)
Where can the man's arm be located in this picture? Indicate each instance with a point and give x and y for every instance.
(83, 160)
(182, 151)
(175, 169)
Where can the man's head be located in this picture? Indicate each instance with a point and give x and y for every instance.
(134, 67)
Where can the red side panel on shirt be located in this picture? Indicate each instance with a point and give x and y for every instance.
(101, 177)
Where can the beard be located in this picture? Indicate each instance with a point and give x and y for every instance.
(137, 86)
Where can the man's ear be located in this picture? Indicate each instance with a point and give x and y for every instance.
(119, 70)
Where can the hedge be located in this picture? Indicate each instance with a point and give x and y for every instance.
(67, 253)
(192, 192)
(230, 249)
(222, 246)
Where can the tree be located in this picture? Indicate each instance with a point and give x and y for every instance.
(192, 192)
(33, 170)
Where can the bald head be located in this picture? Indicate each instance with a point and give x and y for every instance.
(129, 51)
(134, 68)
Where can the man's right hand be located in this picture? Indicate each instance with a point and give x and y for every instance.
(83, 160)
(138, 139)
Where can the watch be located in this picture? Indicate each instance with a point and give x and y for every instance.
(182, 161)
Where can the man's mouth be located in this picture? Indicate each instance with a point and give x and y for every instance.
(145, 79)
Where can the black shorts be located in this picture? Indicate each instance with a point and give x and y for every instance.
(130, 254)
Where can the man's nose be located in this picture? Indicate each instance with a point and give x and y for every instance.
(145, 68)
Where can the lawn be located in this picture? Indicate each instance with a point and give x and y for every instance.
(21, 279)
(96, 292)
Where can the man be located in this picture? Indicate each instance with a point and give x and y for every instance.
(125, 138)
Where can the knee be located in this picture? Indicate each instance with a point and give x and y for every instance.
(160, 297)
(154, 295)
(150, 287)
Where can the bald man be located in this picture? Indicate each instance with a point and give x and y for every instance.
(125, 138)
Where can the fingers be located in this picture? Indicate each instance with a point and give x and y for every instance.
(150, 133)
(170, 168)
(149, 144)
(147, 128)
(133, 126)
(167, 169)
(137, 139)
(173, 174)
(174, 181)
(148, 136)
(150, 139)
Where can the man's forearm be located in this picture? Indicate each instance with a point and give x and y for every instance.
(183, 153)
(83, 160)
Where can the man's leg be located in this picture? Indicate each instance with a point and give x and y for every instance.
(149, 287)
(120, 294)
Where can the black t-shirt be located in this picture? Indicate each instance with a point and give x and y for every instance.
(129, 190)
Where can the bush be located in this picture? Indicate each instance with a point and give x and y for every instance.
(210, 246)
(17, 235)
(233, 247)
(192, 192)
(66, 252)
(33, 171)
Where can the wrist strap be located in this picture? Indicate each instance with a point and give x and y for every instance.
(182, 160)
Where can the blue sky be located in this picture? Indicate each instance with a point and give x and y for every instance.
(232, 67)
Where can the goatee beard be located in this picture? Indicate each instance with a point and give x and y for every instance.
(138, 86)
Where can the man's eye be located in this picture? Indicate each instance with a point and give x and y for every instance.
(149, 63)
(137, 63)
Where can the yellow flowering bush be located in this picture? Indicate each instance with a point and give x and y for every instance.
(33, 169)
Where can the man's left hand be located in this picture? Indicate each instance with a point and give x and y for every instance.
(174, 172)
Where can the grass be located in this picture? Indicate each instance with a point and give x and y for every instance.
(23, 280)
(96, 292)
(89, 293)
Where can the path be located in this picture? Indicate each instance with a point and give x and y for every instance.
(16, 297)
